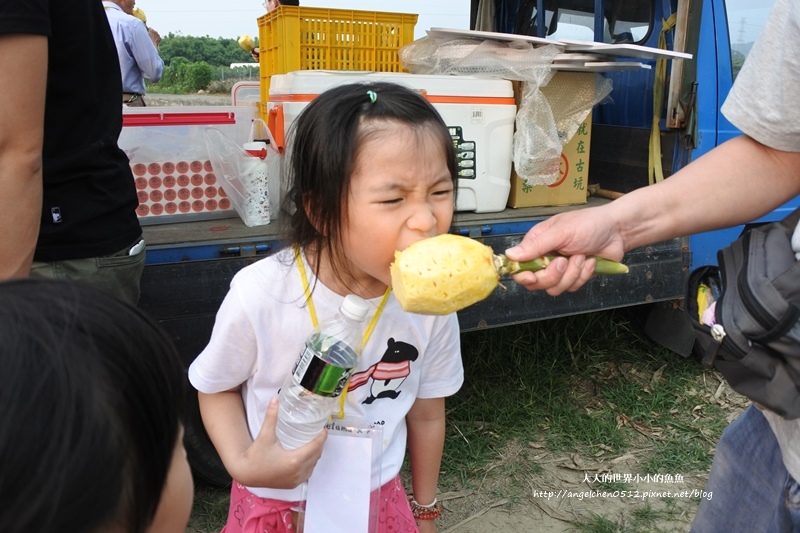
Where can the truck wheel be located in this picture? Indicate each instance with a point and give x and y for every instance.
(203, 458)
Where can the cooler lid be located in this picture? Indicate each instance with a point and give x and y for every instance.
(308, 82)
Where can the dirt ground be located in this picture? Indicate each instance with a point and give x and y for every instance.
(154, 100)
(555, 492)
(557, 497)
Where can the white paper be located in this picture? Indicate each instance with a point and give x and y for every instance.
(623, 49)
(338, 490)
(493, 35)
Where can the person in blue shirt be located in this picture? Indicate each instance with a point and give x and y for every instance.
(137, 48)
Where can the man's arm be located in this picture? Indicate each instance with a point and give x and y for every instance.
(734, 183)
(22, 99)
(146, 54)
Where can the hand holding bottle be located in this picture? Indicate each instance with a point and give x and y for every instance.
(267, 464)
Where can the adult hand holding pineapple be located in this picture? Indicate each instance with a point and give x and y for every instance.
(447, 273)
(247, 42)
(249, 45)
(608, 231)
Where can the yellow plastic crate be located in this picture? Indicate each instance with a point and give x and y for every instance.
(308, 38)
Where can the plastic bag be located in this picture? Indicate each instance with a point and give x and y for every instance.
(548, 118)
(516, 60)
(544, 124)
(245, 177)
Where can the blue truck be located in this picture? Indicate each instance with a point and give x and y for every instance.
(190, 265)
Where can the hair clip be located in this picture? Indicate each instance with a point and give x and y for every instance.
(373, 96)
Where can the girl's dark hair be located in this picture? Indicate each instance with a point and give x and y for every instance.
(91, 392)
(325, 140)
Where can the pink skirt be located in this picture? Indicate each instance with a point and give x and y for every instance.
(249, 513)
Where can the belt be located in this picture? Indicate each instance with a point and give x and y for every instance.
(127, 98)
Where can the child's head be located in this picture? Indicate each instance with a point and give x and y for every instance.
(90, 428)
(372, 170)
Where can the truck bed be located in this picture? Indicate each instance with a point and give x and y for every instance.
(232, 231)
(190, 264)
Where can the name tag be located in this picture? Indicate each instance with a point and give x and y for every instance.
(338, 499)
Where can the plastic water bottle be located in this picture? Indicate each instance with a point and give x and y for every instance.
(329, 355)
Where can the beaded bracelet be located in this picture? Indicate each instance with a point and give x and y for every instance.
(431, 511)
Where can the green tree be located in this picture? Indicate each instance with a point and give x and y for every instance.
(219, 52)
(737, 60)
(171, 77)
(198, 76)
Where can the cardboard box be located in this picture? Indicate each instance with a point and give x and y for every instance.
(571, 186)
(573, 177)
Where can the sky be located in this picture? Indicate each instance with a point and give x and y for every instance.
(746, 18)
(232, 18)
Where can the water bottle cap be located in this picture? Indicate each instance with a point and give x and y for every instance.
(354, 307)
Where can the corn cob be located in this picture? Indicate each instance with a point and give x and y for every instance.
(444, 274)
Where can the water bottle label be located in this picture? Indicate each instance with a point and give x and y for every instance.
(319, 377)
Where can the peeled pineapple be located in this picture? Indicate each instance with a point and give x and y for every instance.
(139, 14)
(247, 42)
(443, 274)
(447, 273)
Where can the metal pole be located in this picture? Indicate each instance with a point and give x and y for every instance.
(599, 20)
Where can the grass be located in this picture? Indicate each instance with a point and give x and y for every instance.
(585, 384)
(210, 508)
(642, 520)
(575, 391)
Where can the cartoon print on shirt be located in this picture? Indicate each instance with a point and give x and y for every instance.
(387, 374)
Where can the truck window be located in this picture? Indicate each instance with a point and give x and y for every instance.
(625, 21)
(745, 21)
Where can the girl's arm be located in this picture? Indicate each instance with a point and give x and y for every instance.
(261, 462)
(426, 428)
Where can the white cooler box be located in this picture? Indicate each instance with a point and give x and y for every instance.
(479, 113)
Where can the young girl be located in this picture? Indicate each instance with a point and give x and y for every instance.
(372, 170)
(90, 430)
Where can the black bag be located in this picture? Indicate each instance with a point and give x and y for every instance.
(755, 343)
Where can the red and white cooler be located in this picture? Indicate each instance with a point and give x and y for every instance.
(479, 112)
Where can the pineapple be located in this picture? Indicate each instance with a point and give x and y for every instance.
(247, 42)
(445, 274)
(139, 14)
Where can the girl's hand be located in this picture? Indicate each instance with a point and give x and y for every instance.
(426, 526)
(267, 464)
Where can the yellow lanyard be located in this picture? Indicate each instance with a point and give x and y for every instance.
(314, 322)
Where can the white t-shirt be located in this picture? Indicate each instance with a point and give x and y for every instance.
(763, 104)
(261, 328)
(763, 100)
